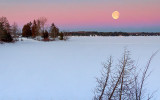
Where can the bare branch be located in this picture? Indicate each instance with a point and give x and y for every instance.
(145, 75)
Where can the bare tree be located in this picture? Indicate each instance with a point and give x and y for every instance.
(145, 75)
(42, 22)
(124, 82)
(103, 81)
(14, 30)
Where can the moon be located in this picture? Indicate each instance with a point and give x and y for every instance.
(115, 15)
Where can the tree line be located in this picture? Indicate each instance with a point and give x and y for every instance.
(90, 33)
(36, 30)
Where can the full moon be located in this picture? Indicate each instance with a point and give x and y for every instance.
(115, 15)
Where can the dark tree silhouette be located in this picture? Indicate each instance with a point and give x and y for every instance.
(45, 34)
(5, 30)
(26, 31)
(54, 31)
(5, 23)
(35, 30)
(61, 36)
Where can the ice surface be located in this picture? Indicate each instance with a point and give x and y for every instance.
(59, 70)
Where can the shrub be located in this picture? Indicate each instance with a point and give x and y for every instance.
(45, 35)
(61, 36)
(6, 37)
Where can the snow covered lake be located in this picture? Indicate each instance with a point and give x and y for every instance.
(66, 70)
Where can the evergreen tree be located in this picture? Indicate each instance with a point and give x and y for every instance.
(5, 23)
(54, 31)
(34, 29)
(26, 31)
(5, 30)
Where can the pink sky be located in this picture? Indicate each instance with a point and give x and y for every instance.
(85, 14)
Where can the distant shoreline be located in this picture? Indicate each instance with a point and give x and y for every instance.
(85, 33)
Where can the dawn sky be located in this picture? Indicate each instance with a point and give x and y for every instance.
(86, 15)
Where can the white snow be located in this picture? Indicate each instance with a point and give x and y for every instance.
(66, 70)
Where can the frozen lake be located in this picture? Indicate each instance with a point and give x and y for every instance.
(66, 70)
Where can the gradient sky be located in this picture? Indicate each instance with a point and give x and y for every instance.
(86, 15)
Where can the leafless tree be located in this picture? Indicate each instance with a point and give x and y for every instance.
(14, 30)
(145, 74)
(124, 82)
(103, 81)
(42, 22)
(38, 29)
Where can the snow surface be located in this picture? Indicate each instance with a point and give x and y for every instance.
(66, 70)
